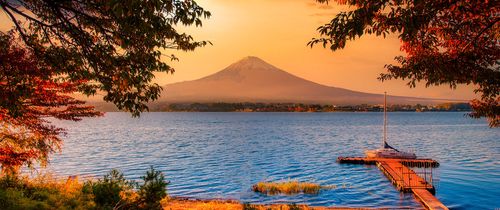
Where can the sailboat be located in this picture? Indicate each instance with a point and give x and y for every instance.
(387, 151)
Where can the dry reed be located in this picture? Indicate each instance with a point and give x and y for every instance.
(286, 187)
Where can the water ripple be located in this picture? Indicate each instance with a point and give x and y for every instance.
(221, 155)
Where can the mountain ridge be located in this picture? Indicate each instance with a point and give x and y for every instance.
(252, 79)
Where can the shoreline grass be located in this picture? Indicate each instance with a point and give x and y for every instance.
(286, 187)
(185, 203)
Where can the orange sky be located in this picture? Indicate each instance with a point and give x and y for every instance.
(277, 31)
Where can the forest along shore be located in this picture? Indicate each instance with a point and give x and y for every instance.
(291, 107)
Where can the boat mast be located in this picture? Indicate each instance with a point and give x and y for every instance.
(385, 120)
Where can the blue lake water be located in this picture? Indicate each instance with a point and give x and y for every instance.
(221, 155)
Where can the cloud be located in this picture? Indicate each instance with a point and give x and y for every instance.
(325, 14)
(325, 6)
(311, 4)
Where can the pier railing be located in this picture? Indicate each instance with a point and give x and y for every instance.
(422, 180)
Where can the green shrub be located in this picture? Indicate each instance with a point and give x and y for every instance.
(107, 191)
(115, 192)
(153, 190)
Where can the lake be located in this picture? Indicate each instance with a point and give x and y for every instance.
(221, 155)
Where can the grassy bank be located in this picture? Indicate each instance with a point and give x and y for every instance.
(186, 204)
(113, 191)
(43, 192)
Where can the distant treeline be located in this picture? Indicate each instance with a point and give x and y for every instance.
(298, 107)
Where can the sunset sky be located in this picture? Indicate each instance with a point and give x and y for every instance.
(277, 31)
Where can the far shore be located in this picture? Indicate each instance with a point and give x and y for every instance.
(290, 107)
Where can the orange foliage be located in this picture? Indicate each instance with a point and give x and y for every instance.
(445, 42)
(31, 93)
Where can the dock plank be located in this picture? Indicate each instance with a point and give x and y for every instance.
(403, 177)
(429, 201)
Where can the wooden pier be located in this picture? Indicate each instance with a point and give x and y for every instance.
(404, 178)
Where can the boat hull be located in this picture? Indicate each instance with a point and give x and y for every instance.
(389, 153)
